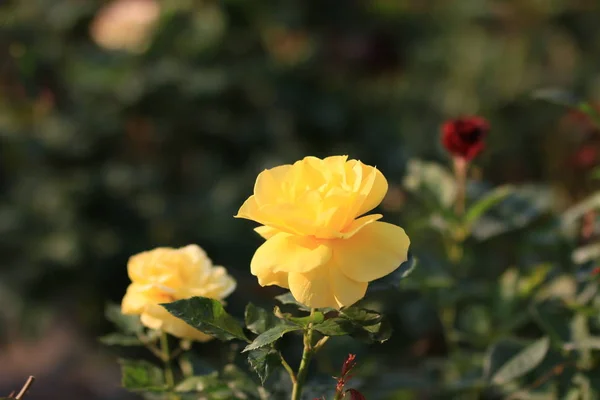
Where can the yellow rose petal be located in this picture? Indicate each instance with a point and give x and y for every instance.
(268, 184)
(359, 223)
(289, 253)
(345, 290)
(269, 278)
(134, 300)
(266, 232)
(312, 289)
(249, 210)
(373, 252)
(376, 187)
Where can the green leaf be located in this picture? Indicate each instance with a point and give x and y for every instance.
(210, 385)
(288, 299)
(119, 339)
(316, 317)
(590, 343)
(591, 202)
(525, 361)
(586, 253)
(361, 316)
(258, 319)
(141, 376)
(432, 182)
(521, 207)
(125, 323)
(362, 324)
(379, 332)
(486, 202)
(556, 96)
(336, 327)
(272, 335)
(263, 361)
(209, 316)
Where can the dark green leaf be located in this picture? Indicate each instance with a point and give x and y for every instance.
(258, 319)
(272, 335)
(126, 323)
(362, 324)
(263, 361)
(316, 317)
(379, 332)
(336, 327)
(361, 316)
(118, 339)
(431, 182)
(209, 316)
(211, 386)
(525, 361)
(141, 376)
(556, 96)
(288, 299)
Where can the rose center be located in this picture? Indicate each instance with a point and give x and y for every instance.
(471, 136)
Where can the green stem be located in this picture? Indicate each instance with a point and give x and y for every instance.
(287, 367)
(166, 357)
(460, 173)
(307, 354)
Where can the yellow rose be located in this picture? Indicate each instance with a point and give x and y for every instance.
(318, 245)
(125, 25)
(164, 275)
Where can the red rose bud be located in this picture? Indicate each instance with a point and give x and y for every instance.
(349, 364)
(464, 137)
(354, 395)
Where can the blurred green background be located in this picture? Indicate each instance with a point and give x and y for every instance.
(131, 124)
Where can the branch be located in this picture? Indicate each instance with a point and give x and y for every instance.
(23, 390)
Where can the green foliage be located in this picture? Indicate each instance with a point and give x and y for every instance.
(106, 153)
(258, 319)
(520, 364)
(271, 335)
(126, 323)
(263, 361)
(209, 316)
(142, 376)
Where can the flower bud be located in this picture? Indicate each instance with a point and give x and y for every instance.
(464, 137)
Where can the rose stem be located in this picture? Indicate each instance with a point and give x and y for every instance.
(460, 172)
(166, 357)
(307, 354)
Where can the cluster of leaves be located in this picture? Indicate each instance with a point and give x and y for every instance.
(521, 325)
(261, 330)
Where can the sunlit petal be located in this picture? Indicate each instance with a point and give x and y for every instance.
(313, 288)
(288, 253)
(373, 252)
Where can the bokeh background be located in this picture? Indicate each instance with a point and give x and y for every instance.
(131, 124)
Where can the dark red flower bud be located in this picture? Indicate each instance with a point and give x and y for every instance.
(349, 364)
(354, 395)
(464, 137)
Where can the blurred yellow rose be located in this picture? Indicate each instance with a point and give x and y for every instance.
(125, 25)
(318, 244)
(164, 275)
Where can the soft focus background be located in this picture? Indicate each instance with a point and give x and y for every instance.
(131, 124)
